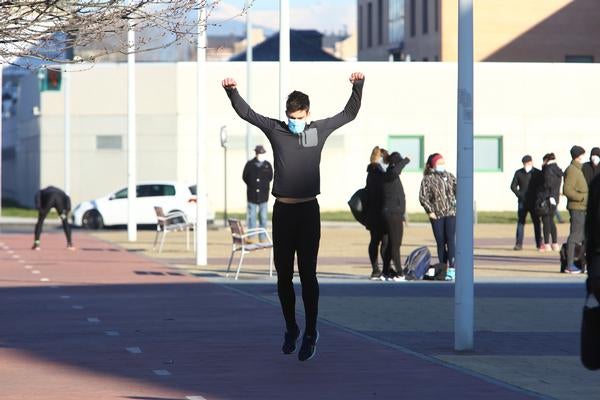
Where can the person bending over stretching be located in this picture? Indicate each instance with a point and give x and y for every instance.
(45, 200)
(297, 146)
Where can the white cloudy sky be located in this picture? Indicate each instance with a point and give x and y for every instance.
(323, 15)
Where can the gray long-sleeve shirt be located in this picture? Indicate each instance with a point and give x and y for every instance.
(297, 157)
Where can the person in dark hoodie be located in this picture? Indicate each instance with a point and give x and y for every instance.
(592, 237)
(393, 208)
(373, 212)
(526, 184)
(551, 192)
(438, 197)
(45, 200)
(591, 169)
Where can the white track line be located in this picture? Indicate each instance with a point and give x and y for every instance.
(45, 279)
(65, 297)
(161, 372)
(77, 307)
(134, 350)
(112, 333)
(93, 320)
(35, 272)
(194, 398)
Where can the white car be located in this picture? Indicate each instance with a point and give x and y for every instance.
(112, 209)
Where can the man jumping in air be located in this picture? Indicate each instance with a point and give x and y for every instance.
(297, 146)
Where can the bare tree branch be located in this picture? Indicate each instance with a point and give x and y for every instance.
(47, 30)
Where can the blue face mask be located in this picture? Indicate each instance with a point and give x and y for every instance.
(441, 169)
(296, 126)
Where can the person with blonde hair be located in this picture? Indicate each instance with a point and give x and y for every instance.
(374, 221)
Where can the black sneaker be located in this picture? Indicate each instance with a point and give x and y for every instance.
(289, 341)
(518, 247)
(308, 348)
(376, 275)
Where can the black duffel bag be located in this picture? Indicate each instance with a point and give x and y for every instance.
(357, 203)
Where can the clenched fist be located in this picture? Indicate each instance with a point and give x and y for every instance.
(356, 76)
(229, 83)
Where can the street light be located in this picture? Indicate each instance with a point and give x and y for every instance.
(223, 135)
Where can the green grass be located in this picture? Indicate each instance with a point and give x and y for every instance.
(19, 212)
(483, 217)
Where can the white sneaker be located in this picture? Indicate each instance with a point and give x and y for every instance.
(398, 278)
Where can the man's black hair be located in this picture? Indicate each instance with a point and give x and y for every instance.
(297, 101)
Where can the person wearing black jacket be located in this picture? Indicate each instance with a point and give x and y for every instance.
(592, 237)
(525, 185)
(591, 169)
(297, 146)
(45, 200)
(394, 207)
(257, 175)
(373, 212)
(550, 191)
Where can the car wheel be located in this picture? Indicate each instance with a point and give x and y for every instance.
(178, 220)
(92, 220)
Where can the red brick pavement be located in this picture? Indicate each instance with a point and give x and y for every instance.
(67, 338)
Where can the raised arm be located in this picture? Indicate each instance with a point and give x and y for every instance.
(352, 106)
(395, 169)
(243, 109)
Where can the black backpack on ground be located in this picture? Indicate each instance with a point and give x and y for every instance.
(440, 271)
(579, 260)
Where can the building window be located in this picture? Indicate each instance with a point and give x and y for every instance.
(396, 21)
(488, 154)
(109, 142)
(361, 32)
(370, 25)
(411, 147)
(380, 22)
(579, 59)
(413, 18)
(425, 17)
(436, 15)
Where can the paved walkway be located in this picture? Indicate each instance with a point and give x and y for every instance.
(106, 323)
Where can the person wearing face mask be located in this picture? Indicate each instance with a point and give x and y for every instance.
(591, 169)
(438, 197)
(526, 184)
(575, 190)
(257, 175)
(297, 146)
(373, 212)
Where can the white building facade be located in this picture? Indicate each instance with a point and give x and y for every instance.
(410, 107)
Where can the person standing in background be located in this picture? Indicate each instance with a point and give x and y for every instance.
(438, 198)
(591, 169)
(576, 191)
(258, 174)
(551, 191)
(45, 200)
(526, 184)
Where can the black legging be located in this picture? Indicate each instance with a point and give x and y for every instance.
(394, 222)
(549, 227)
(378, 245)
(46, 201)
(297, 230)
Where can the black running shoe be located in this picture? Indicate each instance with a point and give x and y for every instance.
(309, 347)
(289, 341)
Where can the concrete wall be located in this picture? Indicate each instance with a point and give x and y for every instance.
(536, 108)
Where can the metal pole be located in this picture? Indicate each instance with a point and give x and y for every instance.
(201, 234)
(1, 118)
(463, 296)
(131, 139)
(66, 82)
(225, 216)
(284, 54)
(248, 76)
